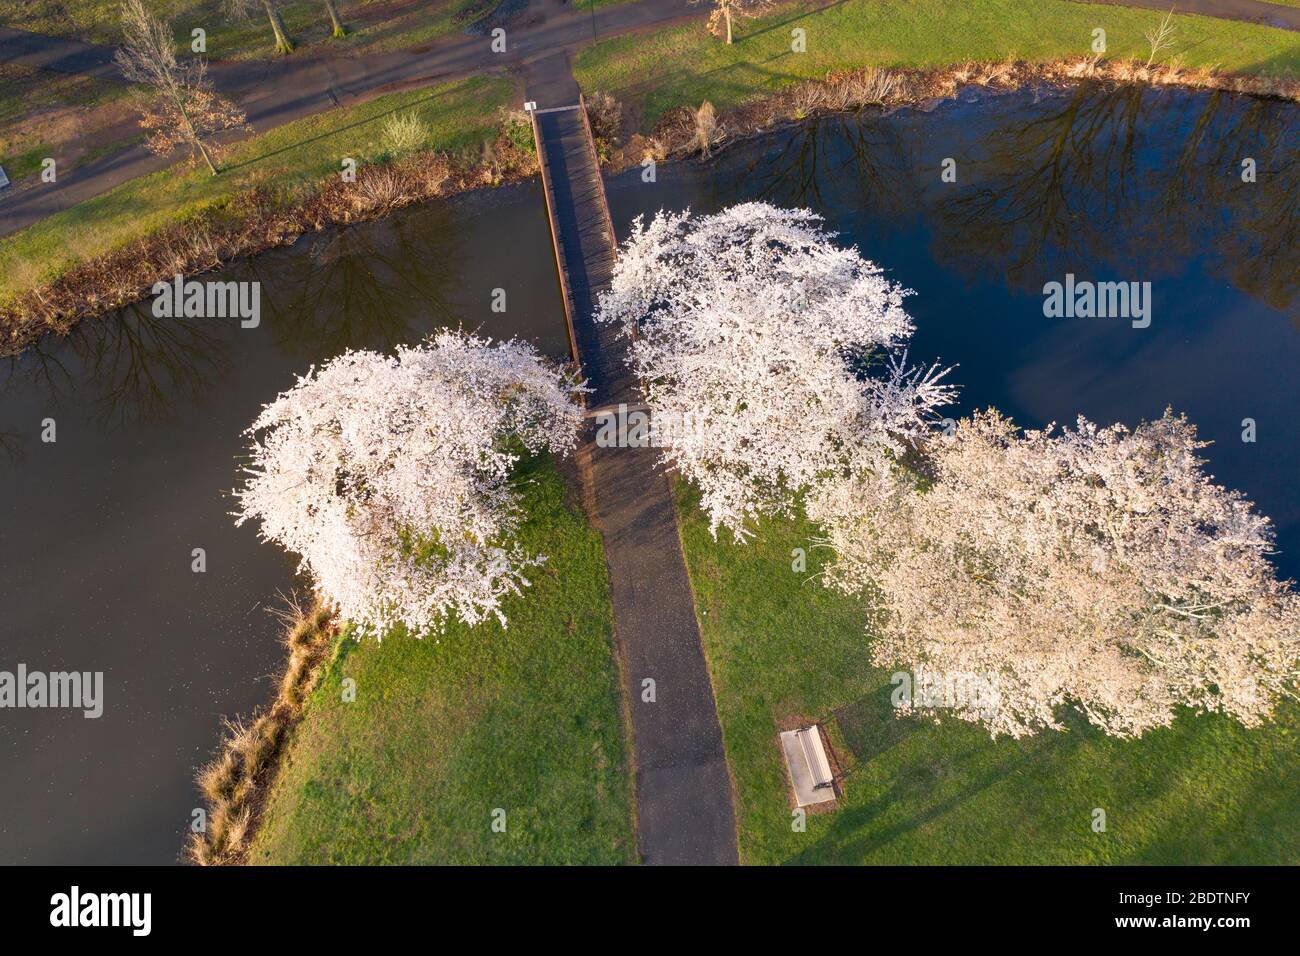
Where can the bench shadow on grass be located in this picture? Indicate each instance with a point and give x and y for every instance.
(840, 845)
(870, 729)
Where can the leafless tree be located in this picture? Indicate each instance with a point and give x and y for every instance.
(725, 12)
(1159, 37)
(332, 8)
(244, 9)
(184, 110)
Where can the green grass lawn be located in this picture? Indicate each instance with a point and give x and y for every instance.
(683, 65)
(305, 21)
(457, 115)
(445, 731)
(780, 646)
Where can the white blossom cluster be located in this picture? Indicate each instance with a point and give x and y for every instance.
(788, 346)
(389, 476)
(1099, 567)
(1094, 567)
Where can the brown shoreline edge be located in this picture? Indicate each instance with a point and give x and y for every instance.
(253, 222)
(236, 783)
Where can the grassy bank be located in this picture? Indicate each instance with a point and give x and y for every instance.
(235, 783)
(371, 24)
(683, 65)
(446, 730)
(781, 647)
(281, 162)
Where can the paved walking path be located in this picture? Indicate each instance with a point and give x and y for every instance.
(683, 790)
(1251, 11)
(274, 92)
(278, 91)
(60, 54)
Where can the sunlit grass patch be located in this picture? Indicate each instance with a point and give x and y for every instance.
(683, 65)
(447, 729)
(1205, 790)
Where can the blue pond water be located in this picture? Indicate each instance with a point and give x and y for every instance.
(1133, 185)
(96, 529)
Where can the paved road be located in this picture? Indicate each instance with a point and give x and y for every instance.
(274, 92)
(1251, 11)
(278, 91)
(683, 789)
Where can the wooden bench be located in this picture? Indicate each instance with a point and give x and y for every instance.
(810, 770)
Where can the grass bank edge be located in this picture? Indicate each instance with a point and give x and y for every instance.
(236, 781)
(447, 728)
(107, 251)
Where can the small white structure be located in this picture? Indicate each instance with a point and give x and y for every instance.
(810, 771)
(4, 180)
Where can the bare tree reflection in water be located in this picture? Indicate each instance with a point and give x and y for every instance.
(11, 447)
(866, 151)
(1042, 193)
(1135, 179)
(374, 285)
(127, 366)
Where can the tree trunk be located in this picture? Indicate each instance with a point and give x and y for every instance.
(203, 151)
(282, 42)
(194, 134)
(332, 7)
(726, 12)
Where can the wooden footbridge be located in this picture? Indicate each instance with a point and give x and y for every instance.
(583, 235)
(683, 790)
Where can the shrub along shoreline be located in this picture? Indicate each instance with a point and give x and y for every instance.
(683, 131)
(260, 218)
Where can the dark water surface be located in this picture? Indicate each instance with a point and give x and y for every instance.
(1133, 185)
(97, 529)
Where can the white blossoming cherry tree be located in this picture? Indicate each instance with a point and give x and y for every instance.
(773, 359)
(390, 476)
(1095, 567)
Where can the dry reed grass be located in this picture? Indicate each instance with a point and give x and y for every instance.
(679, 132)
(235, 782)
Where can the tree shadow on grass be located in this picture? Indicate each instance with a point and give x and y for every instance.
(794, 18)
(858, 833)
(758, 77)
(405, 107)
